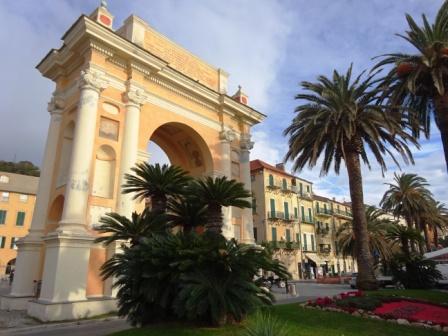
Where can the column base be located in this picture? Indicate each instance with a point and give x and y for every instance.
(11, 302)
(64, 311)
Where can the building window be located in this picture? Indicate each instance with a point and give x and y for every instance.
(313, 246)
(317, 206)
(286, 206)
(2, 241)
(305, 243)
(20, 218)
(274, 234)
(4, 179)
(301, 188)
(255, 234)
(310, 214)
(2, 216)
(298, 238)
(307, 188)
(23, 198)
(272, 208)
(254, 205)
(288, 235)
(296, 213)
(285, 184)
(303, 213)
(271, 180)
(13, 245)
(5, 196)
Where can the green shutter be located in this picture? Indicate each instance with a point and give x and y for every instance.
(274, 234)
(286, 205)
(13, 241)
(2, 216)
(310, 214)
(317, 206)
(296, 213)
(3, 241)
(301, 188)
(20, 218)
(288, 235)
(272, 208)
(271, 180)
(285, 184)
(312, 243)
(303, 212)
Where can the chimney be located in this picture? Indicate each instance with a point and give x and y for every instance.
(280, 166)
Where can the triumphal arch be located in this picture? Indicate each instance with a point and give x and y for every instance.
(115, 90)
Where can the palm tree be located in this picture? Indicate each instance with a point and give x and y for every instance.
(185, 212)
(407, 198)
(216, 193)
(120, 228)
(434, 218)
(377, 228)
(418, 82)
(156, 182)
(338, 120)
(405, 237)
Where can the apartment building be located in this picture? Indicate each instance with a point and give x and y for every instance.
(17, 198)
(299, 225)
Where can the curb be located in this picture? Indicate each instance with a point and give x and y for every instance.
(8, 331)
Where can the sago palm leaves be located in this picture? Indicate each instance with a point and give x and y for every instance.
(338, 120)
(418, 82)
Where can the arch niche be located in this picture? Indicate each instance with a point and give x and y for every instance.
(184, 147)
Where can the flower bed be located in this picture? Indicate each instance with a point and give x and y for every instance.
(400, 310)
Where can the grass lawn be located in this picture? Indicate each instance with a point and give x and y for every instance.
(421, 294)
(300, 321)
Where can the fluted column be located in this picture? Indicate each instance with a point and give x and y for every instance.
(91, 83)
(226, 138)
(29, 248)
(134, 99)
(248, 224)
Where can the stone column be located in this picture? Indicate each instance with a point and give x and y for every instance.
(68, 248)
(226, 138)
(248, 224)
(29, 253)
(134, 99)
(91, 83)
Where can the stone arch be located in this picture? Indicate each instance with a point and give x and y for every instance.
(184, 147)
(10, 265)
(66, 153)
(104, 174)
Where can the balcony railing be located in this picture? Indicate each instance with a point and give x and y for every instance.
(288, 245)
(343, 213)
(273, 185)
(307, 219)
(305, 194)
(324, 212)
(322, 231)
(282, 216)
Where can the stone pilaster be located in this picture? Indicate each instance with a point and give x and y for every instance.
(134, 99)
(91, 83)
(248, 225)
(29, 249)
(226, 138)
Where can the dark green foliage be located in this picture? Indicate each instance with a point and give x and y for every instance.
(21, 167)
(119, 227)
(443, 241)
(190, 276)
(415, 272)
(186, 212)
(363, 302)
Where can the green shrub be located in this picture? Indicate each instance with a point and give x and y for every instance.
(264, 324)
(415, 272)
(190, 276)
(363, 302)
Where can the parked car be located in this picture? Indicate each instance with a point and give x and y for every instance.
(383, 281)
(440, 257)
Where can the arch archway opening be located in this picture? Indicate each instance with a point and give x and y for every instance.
(178, 144)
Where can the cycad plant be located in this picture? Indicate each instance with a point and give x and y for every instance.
(417, 83)
(216, 193)
(156, 182)
(186, 213)
(265, 324)
(340, 119)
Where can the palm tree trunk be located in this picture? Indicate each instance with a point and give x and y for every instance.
(158, 204)
(436, 238)
(366, 278)
(427, 237)
(441, 109)
(214, 219)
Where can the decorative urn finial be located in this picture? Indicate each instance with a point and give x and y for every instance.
(103, 3)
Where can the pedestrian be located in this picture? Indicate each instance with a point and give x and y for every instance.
(11, 277)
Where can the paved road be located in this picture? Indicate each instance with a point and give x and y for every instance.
(305, 292)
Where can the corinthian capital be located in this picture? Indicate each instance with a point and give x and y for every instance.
(245, 143)
(56, 104)
(228, 136)
(135, 96)
(91, 79)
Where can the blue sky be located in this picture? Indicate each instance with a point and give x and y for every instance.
(267, 46)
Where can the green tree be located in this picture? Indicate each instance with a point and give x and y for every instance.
(187, 213)
(433, 219)
(22, 167)
(338, 120)
(157, 183)
(407, 197)
(120, 228)
(417, 82)
(404, 237)
(216, 193)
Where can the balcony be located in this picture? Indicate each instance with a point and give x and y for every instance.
(322, 231)
(324, 212)
(306, 195)
(324, 249)
(342, 213)
(287, 245)
(281, 216)
(273, 185)
(307, 219)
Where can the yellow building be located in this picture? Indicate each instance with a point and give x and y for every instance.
(117, 90)
(17, 198)
(301, 225)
